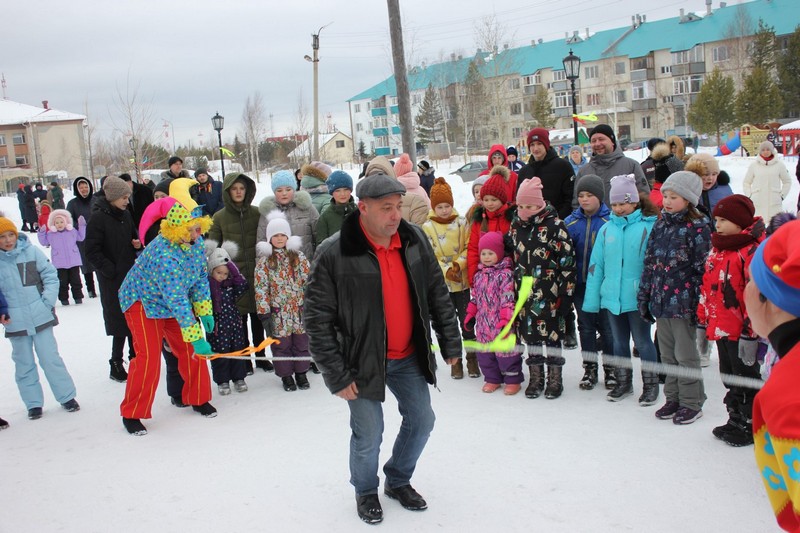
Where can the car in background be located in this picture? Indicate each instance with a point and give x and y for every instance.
(471, 171)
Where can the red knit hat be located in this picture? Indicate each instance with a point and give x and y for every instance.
(541, 135)
(776, 268)
(737, 208)
(495, 186)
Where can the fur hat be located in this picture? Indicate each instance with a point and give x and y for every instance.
(277, 224)
(59, 213)
(541, 135)
(115, 188)
(7, 225)
(664, 162)
(592, 184)
(737, 208)
(606, 130)
(530, 193)
(702, 164)
(441, 193)
(685, 184)
(339, 179)
(492, 240)
(653, 142)
(229, 248)
(768, 145)
(380, 165)
(495, 186)
(284, 178)
(423, 165)
(403, 165)
(623, 190)
(315, 169)
(775, 268)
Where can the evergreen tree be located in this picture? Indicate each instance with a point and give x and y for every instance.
(712, 112)
(542, 109)
(362, 151)
(473, 111)
(429, 119)
(763, 48)
(759, 100)
(238, 148)
(789, 75)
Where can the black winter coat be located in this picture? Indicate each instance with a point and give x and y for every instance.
(344, 314)
(31, 217)
(558, 181)
(81, 207)
(108, 247)
(141, 197)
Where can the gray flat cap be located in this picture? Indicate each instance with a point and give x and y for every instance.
(378, 186)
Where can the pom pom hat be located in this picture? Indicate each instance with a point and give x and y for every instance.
(441, 193)
(403, 165)
(775, 268)
(178, 211)
(495, 186)
(277, 224)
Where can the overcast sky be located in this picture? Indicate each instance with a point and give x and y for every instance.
(193, 58)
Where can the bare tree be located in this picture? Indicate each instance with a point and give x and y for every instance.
(254, 124)
(133, 117)
(738, 35)
(301, 127)
(401, 78)
(492, 37)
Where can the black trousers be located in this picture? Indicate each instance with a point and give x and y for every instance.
(737, 399)
(70, 277)
(460, 301)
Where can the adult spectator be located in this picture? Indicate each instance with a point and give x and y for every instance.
(175, 165)
(677, 147)
(208, 194)
(608, 161)
(141, 197)
(21, 202)
(364, 344)
(147, 182)
(81, 206)
(648, 166)
(427, 174)
(576, 158)
(514, 164)
(558, 178)
(39, 192)
(55, 196)
(767, 182)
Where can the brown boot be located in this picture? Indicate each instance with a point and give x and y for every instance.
(472, 366)
(457, 370)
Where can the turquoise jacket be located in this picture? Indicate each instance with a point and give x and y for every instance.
(617, 263)
(30, 284)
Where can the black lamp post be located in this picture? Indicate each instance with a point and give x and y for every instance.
(133, 143)
(572, 67)
(218, 121)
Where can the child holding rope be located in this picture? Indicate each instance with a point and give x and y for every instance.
(280, 280)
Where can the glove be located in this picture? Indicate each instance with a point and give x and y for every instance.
(208, 323)
(266, 322)
(454, 273)
(644, 312)
(703, 346)
(201, 347)
(469, 323)
(748, 350)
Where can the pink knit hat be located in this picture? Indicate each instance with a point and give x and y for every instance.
(493, 241)
(530, 193)
(403, 165)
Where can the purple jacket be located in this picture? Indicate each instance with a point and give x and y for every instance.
(492, 299)
(64, 245)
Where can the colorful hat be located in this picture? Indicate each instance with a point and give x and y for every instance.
(495, 186)
(178, 211)
(775, 268)
(530, 193)
(7, 225)
(59, 213)
(441, 193)
(339, 179)
(492, 240)
(403, 165)
(283, 178)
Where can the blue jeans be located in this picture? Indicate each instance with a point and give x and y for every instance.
(406, 382)
(625, 325)
(27, 375)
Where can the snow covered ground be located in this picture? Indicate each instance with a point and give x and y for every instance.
(277, 461)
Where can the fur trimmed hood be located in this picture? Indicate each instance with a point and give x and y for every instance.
(660, 151)
(301, 199)
(59, 213)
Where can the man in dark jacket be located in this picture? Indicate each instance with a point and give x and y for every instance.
(141, 197)
(558, 178)
(208, 193)
(81, 206)
(379, 262)
(21, 202)
(39, 193)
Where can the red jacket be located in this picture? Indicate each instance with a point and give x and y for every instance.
(721, 308)
(655, 195)
(511, 184)
(484, 222)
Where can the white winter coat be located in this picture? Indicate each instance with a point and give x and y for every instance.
(767, 183)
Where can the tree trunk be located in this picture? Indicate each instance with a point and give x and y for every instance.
(403, 98)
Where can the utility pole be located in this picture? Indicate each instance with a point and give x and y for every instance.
(315, 61)
(401, 81)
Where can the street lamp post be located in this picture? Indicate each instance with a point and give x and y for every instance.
(572, 67)
(218, 121)
(133, 143)
(315, 61)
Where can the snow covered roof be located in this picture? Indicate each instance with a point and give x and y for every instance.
(790, 126)
(304, 149)
(18, 113)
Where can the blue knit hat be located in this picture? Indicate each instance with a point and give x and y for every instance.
(339, 179)
(283, 178)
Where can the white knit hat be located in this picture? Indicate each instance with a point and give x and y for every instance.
(277, 225)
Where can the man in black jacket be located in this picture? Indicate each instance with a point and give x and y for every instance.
(558, 178)
(374, 291)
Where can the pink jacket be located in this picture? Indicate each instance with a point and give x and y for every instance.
(491, 299)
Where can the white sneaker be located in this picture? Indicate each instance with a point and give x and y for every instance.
(224, 389)
(239, 385)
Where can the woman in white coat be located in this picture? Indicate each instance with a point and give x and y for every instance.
(767, 182)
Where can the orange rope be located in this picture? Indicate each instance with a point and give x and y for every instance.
(243, 352)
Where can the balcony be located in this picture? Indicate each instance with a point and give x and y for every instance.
(645, 104)
(685, 69)
(643, 74)
(380, 132)
(533, 89)
(378, 111)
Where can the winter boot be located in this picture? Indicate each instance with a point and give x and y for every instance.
(240, 386)
(609, 379)
(473, 370)
(589, 379)
(741, 433)
(134, 426)
(314, 368)
(207, 410)
(118, 372)
(457, 370)
(224, 388)
(649, 388)
(302, 381)
(536, 385)
(3, 424)
(624, 387)
(554, 384)
(288, 383)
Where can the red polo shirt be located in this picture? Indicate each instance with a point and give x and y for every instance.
(397, 308)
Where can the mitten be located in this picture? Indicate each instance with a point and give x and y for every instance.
(748, 350)
(208, 323)
(454, 273)
(703, 346)
(644, 312)
(469, 323)
(201, 347)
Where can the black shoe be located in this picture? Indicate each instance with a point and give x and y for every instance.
(92, 294)
(570, 341)
(314, 368)
(207, 410)
(3, 424)
(407, 496)
(288, 383)
(369, 508)
(302, 381)
(78, 301)
(118, 372)
(71, 406)
(177, 401)
(64, 302)
(134, 426)
(34, 413)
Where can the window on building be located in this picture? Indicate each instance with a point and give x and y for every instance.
(382, 141)
(393, 100)
(357, 108)
(513, 84)
(619, 67)
(339, 144)
(369, 106)
(620, 96)
(559, 75)
(680, 116)
(639, 90)
(666, 99)
(517, 132)
(693, 55)
(516, 109)
(18, 138)
(687, 84)
(359, 126)
(21, 159)
(593, 99)
(720, 54)
(2, 140)
(416, 99)
(3, 161)
(666, 69)
(563, 99)
(370, 126)
(592, 72)
(646, 122)
(641, 63)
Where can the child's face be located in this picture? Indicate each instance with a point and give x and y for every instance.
(284, 195)
(726, 227)
(279, 240)
(60, 223)
(220, 273)
(491, 203)
(623, 209)
(709, 180)
(342, 195)
(476, 193)
(589, 202)
(488, 257)
(121, 203)
(674, 203)
(237, 192)
(8, 240)
(443, 210)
